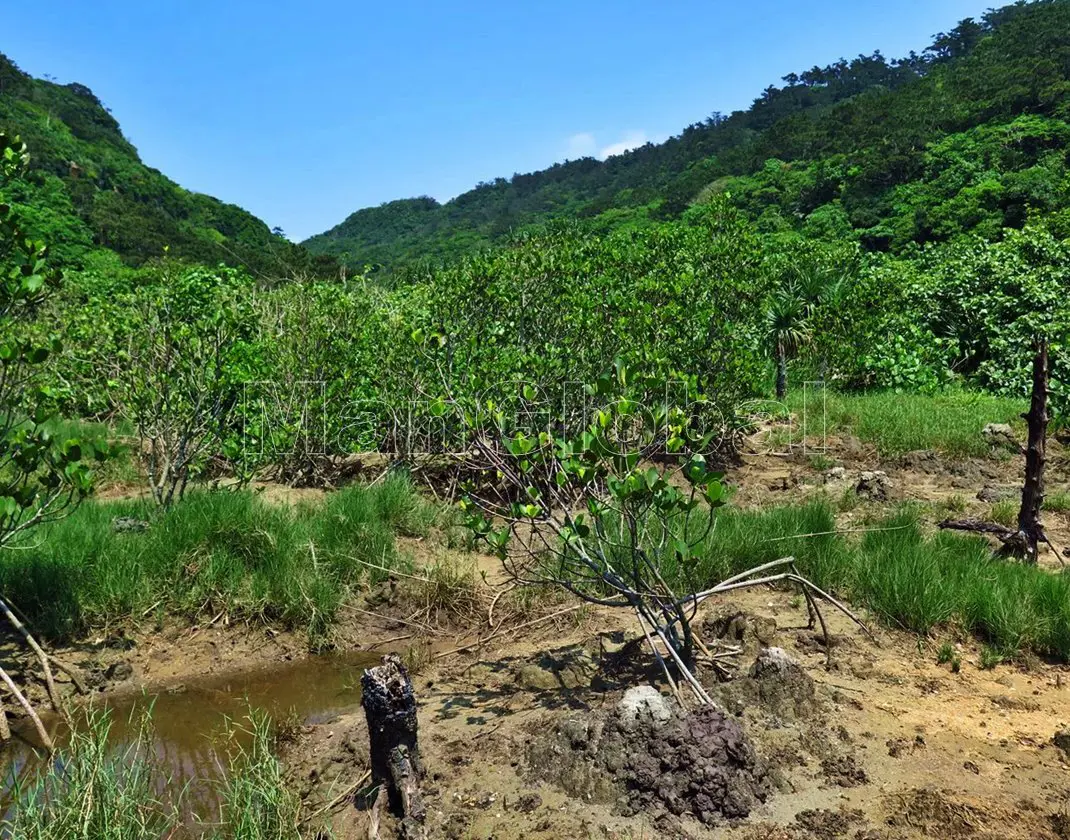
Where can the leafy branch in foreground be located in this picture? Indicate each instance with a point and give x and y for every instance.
(42, 477)
(607, 513)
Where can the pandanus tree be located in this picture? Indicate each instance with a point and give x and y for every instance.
(807, 282)
(43, 475)
(787, 331)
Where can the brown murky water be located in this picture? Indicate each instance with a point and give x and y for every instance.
(190, 722)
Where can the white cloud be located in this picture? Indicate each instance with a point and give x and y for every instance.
(581, 145)
(585, 144)
(631, 140)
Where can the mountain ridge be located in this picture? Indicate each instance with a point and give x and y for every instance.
(816, 114)
(88, 190)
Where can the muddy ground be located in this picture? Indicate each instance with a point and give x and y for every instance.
(870, 740)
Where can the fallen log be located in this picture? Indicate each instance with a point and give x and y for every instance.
(390, 707)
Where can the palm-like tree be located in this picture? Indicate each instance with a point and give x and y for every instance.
(807, 284)
(786, 316)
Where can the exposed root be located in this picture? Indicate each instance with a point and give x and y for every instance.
(42, 733)
(42, 657)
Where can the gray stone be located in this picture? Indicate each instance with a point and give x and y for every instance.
(129, 525)
(995, 493)
(642, 703)
(1001, 436)
(835, 474)
(874, 485)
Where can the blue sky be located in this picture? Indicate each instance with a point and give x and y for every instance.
(303, 113)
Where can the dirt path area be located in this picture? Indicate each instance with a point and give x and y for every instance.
(884, 743)
(879, 743)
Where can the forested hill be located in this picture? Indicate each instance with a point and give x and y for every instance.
(968, 134)
(88, 190)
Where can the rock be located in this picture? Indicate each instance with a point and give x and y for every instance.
(119, 671)
(1061, 739)
(641, 704)
(129, 525)
(835, 474)
(874, 485)
(998, 493)
(1001, 436)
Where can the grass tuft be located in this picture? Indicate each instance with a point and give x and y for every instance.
(94, 790)
(911, 580)
(215, 552)
(895, 423)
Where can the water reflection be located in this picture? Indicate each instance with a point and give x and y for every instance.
(190, 723)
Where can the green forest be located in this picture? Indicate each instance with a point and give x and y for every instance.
(874, 224)
(319, 444)
(964, 137)
(879, 224)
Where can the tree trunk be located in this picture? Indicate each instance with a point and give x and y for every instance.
(1023, 542)
(781, 372)
(1030, 531)
(390, 706)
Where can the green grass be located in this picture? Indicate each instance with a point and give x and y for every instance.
(1005, 512)
(96, 791)
(895, 423)
(1058, 502)
(92, 792)
(256, 802)
(910, 580)
(215, 552)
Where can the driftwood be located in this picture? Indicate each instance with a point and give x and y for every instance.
(390, 706)
(1024, 540)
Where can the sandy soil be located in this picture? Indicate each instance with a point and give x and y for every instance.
(892, 745)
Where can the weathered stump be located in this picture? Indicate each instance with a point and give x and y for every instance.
(1024, 540)
(390, 706)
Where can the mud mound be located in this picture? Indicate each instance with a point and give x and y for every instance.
(751, 632)
(702, 764)
(776, 684)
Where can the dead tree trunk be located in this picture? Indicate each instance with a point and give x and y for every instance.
(1023, 541)
(390, 706)
(1030, 531)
